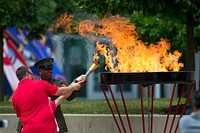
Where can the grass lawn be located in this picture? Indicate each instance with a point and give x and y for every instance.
(79, 106)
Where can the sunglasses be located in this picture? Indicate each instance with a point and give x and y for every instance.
(47, 67)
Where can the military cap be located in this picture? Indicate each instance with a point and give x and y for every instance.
(44, 63)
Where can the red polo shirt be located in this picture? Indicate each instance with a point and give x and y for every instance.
(32, 106)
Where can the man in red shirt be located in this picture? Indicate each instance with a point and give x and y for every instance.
(36, 114)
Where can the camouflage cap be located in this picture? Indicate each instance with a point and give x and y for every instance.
(44, 63)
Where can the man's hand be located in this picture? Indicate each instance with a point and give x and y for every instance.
(81, 80)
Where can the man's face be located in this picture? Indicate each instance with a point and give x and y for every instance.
(46, 73)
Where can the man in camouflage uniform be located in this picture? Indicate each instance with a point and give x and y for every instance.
(45, 68)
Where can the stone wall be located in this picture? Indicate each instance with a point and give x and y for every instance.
(84, 123)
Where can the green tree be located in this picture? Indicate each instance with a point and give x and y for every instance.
(184, 12)
(36, 16)
(152, 27)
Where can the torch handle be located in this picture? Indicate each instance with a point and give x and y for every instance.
(88, 73)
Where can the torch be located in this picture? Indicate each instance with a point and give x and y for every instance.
(92, 68)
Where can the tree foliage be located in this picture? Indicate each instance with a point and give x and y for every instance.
(169, 7)
(154, 27)
(36, 16)
(153, 18)
(33, 15)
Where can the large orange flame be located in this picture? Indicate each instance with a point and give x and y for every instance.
(124, 51)
(64, 22)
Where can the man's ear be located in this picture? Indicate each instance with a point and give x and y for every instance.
(39, 71)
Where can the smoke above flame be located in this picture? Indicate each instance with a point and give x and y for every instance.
(119, 43)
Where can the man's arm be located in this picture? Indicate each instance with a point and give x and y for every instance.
(75, 93)
(67, 90)
(60, 99)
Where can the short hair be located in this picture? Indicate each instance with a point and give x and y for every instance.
(196, 99)
(21, 72)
